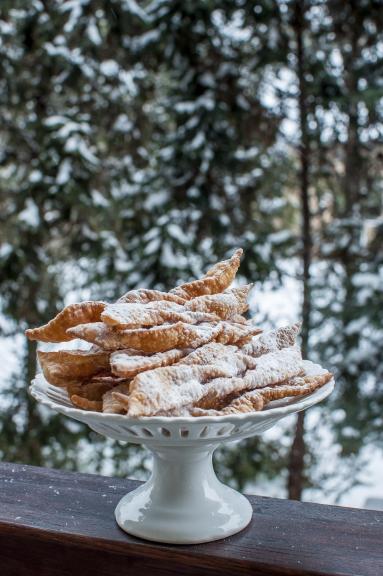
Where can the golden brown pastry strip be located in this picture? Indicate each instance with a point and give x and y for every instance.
(124, 316)
(168, 388)
(272, 340)
(143, 296)
(238, 334)
(150, 340)
(72, 315)
(208, 354)
(225, 305)
(111, 404)
(91, 390)
(85, 404)
(65, 366)
(90, 394)
(126, 364)
(217, 279)
(256, 400)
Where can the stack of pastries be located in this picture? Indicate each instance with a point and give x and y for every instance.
(186, 352)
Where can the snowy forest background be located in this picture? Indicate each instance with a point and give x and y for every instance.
(142, 141)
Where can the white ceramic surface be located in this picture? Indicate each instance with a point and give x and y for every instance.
(183, 502)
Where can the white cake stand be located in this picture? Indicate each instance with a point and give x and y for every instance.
(183, 502)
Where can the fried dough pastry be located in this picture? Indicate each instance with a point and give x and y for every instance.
(152, 314)
(150, 340)
(188, 351)
(233, 333)
(88, 396)
(72, 315)
(225, 305)
(126, 364)
(111, 404)
(168, 388)
(273, 367)
(238, 319)
(65, 366)
(143, 296)
(216, 279)
(257, 399)
(272, 340)
(176, 386)
(85, 404)
(269, 369)
(91, 390)
(91, 394)
(207, 354)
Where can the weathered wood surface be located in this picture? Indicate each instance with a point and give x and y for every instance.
(61, 523)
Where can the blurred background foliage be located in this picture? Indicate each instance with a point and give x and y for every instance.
(142, 141)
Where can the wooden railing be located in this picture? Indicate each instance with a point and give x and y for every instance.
(61, 523)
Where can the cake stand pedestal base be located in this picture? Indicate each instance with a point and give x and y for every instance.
(183, 502)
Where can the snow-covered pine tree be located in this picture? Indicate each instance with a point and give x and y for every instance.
(343, 118)
(348, 293)
(71, 131)
(219, 176)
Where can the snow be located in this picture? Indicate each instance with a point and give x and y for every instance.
(143, 41)
(155, 199)
(169, 257)
(178, 233)
(190, 107)
(373, 281)
(75, 8)
(197, 142)
(279, 237)
(64, 172)
(75, 144)
(246, 153)
(132, 7)
(55, 121)
(30, 214)
(9, 358)
(94, 33)
(35, 176)
(73, 127)
(127, 78)
(6, 28)
(356, 326)
(5, 249)
(109, 68)
(123, 124)
(98, 199)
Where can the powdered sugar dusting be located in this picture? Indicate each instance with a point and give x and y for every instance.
(274, 367)
(233, 332)
(143, 296)
(258, 398)
(208, 354)
(124, 363)
(168, 388)
(151, 314)
(176, 386)
(225, 305)
(272, 340)
(109, 402)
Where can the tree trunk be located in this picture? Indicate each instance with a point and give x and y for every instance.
(353, 163)
(298, 448)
